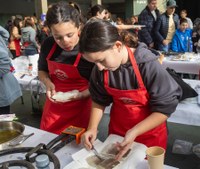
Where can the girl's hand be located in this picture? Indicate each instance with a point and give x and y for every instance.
(50, 90)
(81, 95)
(88, 138)
(126, 144)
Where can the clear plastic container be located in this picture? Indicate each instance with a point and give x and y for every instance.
(182, 147)
(196, 150)
(30, 69)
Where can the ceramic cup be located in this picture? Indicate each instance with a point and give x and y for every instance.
(155, 157)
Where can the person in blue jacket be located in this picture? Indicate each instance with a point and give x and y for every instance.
(9, 87)
(181, 38)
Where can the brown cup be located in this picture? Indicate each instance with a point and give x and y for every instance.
(155, 157)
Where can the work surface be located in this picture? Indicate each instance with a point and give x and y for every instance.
(187, 111)
(189, 64)
(28, 81)
(64, 155)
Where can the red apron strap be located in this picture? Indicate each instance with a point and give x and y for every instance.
(77, 59)
(135, 67)
(17, 47)
(106, 77)
(52, 51)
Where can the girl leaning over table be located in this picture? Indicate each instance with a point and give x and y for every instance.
(61, 68)
(128, 75)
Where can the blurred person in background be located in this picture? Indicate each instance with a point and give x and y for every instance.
(15, 36)
(10, 89)
(28, 38)
(166, 26)
(44, 34)
(119, 21)
(196, 39)
(180, 41)
(183, 14)
(148, 17)
(108, 17)
(99, 12)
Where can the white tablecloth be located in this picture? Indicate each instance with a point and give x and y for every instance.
(187, 111)
(191, 66)
(27, 82)
(64, 154)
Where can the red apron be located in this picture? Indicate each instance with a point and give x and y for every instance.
(17, 47)
(58, 116)
(131, 107)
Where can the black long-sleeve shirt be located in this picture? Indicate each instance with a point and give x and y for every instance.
(67, 57)
(164, 92)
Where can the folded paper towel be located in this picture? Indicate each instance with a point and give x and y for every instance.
(64, 96)
(7, 117)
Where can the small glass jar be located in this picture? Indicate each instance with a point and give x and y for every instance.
(30, 68)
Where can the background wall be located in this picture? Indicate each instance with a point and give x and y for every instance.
(27, 7)
(121, 8)
(13, 7)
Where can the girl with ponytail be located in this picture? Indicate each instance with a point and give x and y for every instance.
(128, 75)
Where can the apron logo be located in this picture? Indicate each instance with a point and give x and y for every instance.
(60, 74)
(127, 100)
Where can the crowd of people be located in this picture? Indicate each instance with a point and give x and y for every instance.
(108, 62)
(26, 35)
(168, 31)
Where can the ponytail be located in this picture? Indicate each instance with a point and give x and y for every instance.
(78, 8)
(129, 39)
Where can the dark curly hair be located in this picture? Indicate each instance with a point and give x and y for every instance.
(63, 12)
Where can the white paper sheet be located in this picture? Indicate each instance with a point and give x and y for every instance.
(87, 160)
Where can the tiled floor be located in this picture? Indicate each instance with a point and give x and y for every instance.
(176, 131)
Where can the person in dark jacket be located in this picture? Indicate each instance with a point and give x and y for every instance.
(44, 34)
(148, 18)
(166, 26)
(128, 75)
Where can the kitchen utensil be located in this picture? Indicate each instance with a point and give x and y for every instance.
(100, 156)
(19, 140)
(9, 130)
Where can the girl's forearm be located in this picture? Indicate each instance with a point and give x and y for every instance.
(96, 115)
(152, 121)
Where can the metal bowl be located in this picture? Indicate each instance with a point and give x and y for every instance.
(9, 130)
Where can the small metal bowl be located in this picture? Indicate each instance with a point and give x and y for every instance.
(10, 126)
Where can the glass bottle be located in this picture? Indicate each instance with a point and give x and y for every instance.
(30, 68)
(190, 44)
